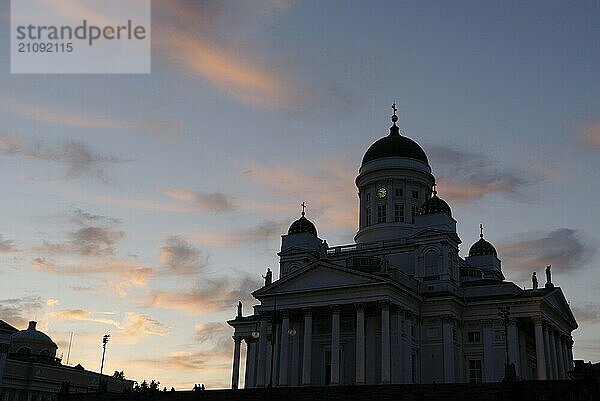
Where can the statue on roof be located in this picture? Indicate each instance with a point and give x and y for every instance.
(239, 309)
(549, 277)
(323, 250)
(534, 281)
(268, 277)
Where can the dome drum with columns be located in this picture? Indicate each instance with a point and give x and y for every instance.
(399, 305)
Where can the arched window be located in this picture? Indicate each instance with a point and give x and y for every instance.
(45, 352)
(431, 263)
(24, 350)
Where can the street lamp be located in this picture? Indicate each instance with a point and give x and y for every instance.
(104, 342)
(273, 336)
(510, 373)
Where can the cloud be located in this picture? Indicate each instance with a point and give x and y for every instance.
(180, 257)
(214, 334)
(147, 124)
(140, 325)
(216, 202)
(564, 248)
(77, 158)
(82, 315)
(467, 176)
(191, 48)
(590, 135)
(95, 236)
(88, 241)
(7, 246)
(133, 327)
(266, 232)
(118, 275)
(18, 311)
(587, 314)
(328, 188)
(52, 302)
(81, 217)
(210, 295)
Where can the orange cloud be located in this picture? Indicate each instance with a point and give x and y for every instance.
(210, 295)
(241, 77)
(82, 315)
(590, 134)
(328, 188)
(147, 124)
(131, 329)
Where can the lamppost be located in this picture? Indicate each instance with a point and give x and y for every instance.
(104, 342)
(510, 373)
(273, 336)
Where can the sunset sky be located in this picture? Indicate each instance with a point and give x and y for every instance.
(145, 206)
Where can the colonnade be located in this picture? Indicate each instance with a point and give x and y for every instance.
(554, 351)
(258, 356)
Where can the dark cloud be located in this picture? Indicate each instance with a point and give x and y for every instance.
(565, 249)
(214, 334)
(180, 257)
(96, 236)
(7, 245)
(215, 202)
(209, 295)
(18, 311)
(88, 241)
(587, 314)
(81, 217)
(76, 157)
(464, 176)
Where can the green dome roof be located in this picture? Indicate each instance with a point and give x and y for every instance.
(395, 145)
(435, 205)
(482, 247)
(302, 225)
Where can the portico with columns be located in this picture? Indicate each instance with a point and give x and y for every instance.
(399, 305)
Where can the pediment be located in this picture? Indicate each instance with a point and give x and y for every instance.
(319, 276)
(558, 301)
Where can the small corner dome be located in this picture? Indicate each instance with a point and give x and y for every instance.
(395, 145)
(436, 205)
(302, 225)
(482, 247)
(34, 340)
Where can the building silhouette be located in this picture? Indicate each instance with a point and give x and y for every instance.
(400, 305)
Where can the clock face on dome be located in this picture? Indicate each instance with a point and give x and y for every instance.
(381, 193)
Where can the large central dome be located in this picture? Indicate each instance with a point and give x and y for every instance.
(395, 145)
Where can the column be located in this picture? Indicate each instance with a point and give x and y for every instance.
(250, 377)
(559, 356)
(570, 352)
(306, 355)
(3, 357)
(284, 352)
(385, 342)
(407, 352)
(295, 365)
(539, 349)
(513, 345)
(360, 343)
(547, 352)
(235, 375)
(552, 346)
(448, 349)
(488, 351)
(273, 376)
(335, 345)
(397, 346)
(262, 354)
(565, 353)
